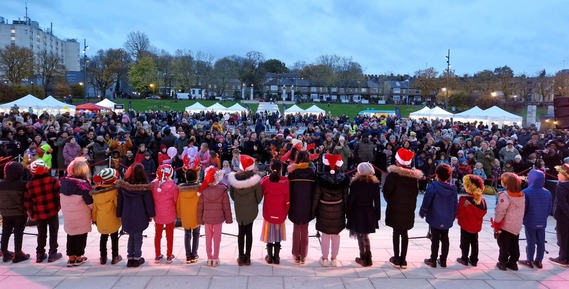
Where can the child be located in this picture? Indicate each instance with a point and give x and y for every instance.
(187, 207)
(275, 209)
(463, 168)
(442, 159)
(213, 210)
(470, 214)
(163, 157)
(508, 220)
(538, 208)
(76, 204)
(508, 167)
(135, 207)
(363, 210)
(41, 201)
(439, 206)
(328, 206)
(479, 171)
(235, 160)
(560, 213)
(454, 167)
(149, 166)
(12, 190)
(104, 213)
(85, 154)
(226, 169)
(165, 196)
(496, 172)
(246, 193)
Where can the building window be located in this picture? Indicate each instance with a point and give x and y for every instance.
(13, 31)
(13, 38)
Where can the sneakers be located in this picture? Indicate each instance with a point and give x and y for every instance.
(188, 260)
(116, 259)
(559, 262)
(103, 260)
(20, 256)
(240, 260)
(443, 263)
(70, 263)
(210, 262)
(247, 260)
(80, 261)
(512, 266)
(129, 263)
(333, 263)
(538, 265)
(461, 261)
(7, 256)
(159, 258)
(137, 262)
(192, 259)
(501, 266)
(473, 264)
(528, 264)
(54, 257)
(297, 259)
(394, 261)
(41, 257)
(324, 262)
(403, 264)
(302, 260)
(170, 259)
(431, 263)
(215, 263)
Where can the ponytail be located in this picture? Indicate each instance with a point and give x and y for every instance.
(276, 169)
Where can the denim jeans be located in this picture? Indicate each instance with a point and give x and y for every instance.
(192, 246)
(134, 245)
(535, 237)
(53, 224)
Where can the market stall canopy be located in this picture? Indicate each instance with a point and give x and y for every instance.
(268, 107)
(235, 108)
(314, 110)
(106, 103)
(196, 107)
(25, 104)
(216, 107)
(57, 105)
(438, 112)
(423, 112)
(90, 106)
(294, 110)
(501, 117)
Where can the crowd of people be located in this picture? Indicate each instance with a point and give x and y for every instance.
(164, 166)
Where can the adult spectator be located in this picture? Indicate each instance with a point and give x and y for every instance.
(508, 152)
(364, 150)
(101, 152)
(485, 156)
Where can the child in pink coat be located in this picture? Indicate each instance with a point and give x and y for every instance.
(165, 195)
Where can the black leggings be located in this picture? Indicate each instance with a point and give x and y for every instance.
(363, 243)
(397, 236)
(114, 244)
(245, 232)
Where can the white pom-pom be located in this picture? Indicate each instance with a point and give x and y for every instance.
(159, 190)
(199, 194)
(332, 171)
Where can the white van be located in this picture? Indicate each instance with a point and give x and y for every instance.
(182, 95)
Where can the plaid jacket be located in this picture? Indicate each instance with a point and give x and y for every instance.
(41, 198)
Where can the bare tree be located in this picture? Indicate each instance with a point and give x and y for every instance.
(164, 63)
(49, 67)
(137, 43)
(17, 63)
(225, 70)
(426, 80)
(544, 85)
(106, 67)
(184, 70)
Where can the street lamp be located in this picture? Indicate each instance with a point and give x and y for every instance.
(251, 91)
(243, 91)
(448, 73)
(152, 86)
(85, 67)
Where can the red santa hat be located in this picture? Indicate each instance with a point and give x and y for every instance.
(296, 143)
(404, 156)
(280, 133)
(164, 173)
(212, 176)
(332, 161)
(246, 163)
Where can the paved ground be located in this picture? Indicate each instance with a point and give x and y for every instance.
(288, 275)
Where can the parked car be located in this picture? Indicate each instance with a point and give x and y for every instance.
(153, 97)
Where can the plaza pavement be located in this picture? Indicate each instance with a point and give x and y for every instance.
(288, 275)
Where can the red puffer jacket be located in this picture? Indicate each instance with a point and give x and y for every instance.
(276, 199)
(470, 215)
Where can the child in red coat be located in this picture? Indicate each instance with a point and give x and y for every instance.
(471, 211)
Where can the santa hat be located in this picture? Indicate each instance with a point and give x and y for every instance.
(38, 167)
(212, 176)
(164, 173)
(332, 161)
(280, 133)
(404, 156)
(296, 143)
(289, 137)
(106, 176)
(246, 163)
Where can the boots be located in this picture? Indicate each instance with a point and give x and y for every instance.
(269, 257)
(276, 257)
(20, 256)
(362, 260)
(368, 258)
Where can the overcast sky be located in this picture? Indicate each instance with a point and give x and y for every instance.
(383, 36)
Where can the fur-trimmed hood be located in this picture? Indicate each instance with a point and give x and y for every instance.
(74, 186)
(405, 172)
(242, 180)
(138, 188)
(102, 188)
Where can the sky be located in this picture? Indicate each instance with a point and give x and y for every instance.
(399, 37)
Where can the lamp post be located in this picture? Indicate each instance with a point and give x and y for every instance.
(251, 91)
(448, 73)
(85, 67)
(243, 91)
(152, 87)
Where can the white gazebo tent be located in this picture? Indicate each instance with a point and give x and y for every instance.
(25, 104)
(268, 107)
(196, 107)
(106, 103)
(59, 106)
(294, 110)
(216, 107)
(423, 112)
(314, 110)
(471, 115)
(235, 108)
(438, 112)
(502, 117)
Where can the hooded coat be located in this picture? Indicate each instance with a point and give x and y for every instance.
(302, 186)
(538, 201)
(213, 206)
(439, 205)
(400, 192)
(329, 203)
(104, 212)
(187, 205)
(470, 215)
(276, 199)
(135, 206)
(165, 201)
(363, 210)
(76, 204)
(561, 205)
(246, 193)
(12, 190)
(510, 211)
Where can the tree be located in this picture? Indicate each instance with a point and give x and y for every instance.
(426, 80)
(49, 67)
(143, 73)
(505, 80)
(562, 83)
(204, 70)
(544, 85)
(252, 72)
(321, 74)
(183, 69)
(349, 74)
(164, 63)
(104, 68)
(485, 82)
(225, 70)
(275, 66)
(17, 63)
(137, 44)
(522, 87)
(298, 66)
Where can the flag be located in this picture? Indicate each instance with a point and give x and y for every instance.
(398, 112)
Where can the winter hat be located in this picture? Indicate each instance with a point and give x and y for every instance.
(462, 160)
(212, 176)
(332, 161)
(164, 173)
(106, 176)
(246, 163)
(460, 152)
(296, 143)
(341, 138)
(280, 133)
(289, 137)
(474, 185)
(366, 169)
(404, 156)
(38, 167)
(518, 157)
(13, 171)
(47, 148)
